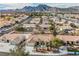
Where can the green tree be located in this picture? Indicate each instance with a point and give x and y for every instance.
(36, 44)
(52, 28)
(73, 25)
(41, 21)
(56, 42)
(20, 29)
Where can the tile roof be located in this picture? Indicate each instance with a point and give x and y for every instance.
(68, 37)
(40, 37)
(49, 37)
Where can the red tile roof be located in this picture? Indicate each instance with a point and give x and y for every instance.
(68, 38)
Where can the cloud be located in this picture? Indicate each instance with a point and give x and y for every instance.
(63, 5)
(13, 6)
(21, 5)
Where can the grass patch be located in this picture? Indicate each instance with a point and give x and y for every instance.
(73, 50)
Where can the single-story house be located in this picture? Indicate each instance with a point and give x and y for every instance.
(67, 39)
(14, 39)
(35, 21)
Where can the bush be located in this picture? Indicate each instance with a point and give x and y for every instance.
(73, 25)
(20, 29)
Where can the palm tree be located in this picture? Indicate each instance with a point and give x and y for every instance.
(41, 21)
(52, 28)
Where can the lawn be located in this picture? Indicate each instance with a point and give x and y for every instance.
(73, 50)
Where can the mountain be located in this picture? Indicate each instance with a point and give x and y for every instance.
(9, 10)
(45, 8)
(39, 8)
(75, 7)
(67, 10)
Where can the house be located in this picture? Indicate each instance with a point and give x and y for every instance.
(29, 27)
(69, 39)
(39, 37)
(64, 27)
(35, 21)
(4, 22)
(14, 39)
(45, 27)
(6, 47)
(10, 41)
(45, 20)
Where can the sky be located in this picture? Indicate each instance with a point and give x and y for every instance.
(21, 5)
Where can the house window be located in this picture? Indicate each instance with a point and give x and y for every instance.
(68, 43)
(7, 41)
(45, 28)
(72, 42)
(77, 42)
